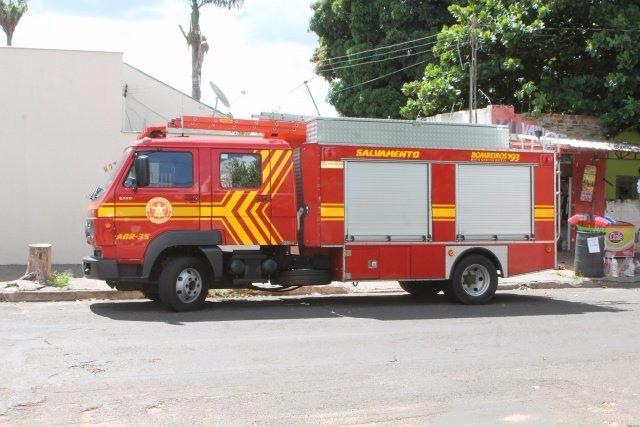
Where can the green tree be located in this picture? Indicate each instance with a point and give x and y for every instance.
(368, 50)
(10, 14)
(542, 56)
(244, 173)
(197, 42)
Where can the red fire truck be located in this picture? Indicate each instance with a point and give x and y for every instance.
(437, 207)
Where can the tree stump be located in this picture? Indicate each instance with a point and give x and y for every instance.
(39, 266)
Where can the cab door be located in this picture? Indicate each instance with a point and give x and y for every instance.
(170, 202)
(253, 201)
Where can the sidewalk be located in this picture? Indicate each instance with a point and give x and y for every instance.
(80, 288)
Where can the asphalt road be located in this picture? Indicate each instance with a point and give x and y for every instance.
(531, 358)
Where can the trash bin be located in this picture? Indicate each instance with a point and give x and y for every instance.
(589, 259)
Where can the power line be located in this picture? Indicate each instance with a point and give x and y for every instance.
(376, 55)
(382, 77)
(391, 73)
(376, 61)
(351, 55)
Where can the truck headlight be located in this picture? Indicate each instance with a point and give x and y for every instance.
(89, 230)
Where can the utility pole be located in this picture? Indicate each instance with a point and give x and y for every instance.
(473, 43)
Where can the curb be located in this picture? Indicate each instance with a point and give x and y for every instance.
(45, 296)
(28, 296)
(113, 295)
(584, 285)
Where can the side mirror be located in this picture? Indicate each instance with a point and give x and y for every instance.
(143, 176)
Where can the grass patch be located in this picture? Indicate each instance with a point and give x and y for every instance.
(60, 280)
(233, 293)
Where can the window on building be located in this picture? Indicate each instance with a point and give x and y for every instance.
(240, 170)
(626, 187)
(167, 169)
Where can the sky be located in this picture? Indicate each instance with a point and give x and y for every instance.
(259, 55)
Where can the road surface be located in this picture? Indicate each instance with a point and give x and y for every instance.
(532, 358)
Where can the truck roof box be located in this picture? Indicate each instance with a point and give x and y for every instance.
(406, 134)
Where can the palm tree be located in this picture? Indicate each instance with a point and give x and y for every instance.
(10, 14)
(198, 42)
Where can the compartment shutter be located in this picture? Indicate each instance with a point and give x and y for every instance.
(494, 201)
(386, 201)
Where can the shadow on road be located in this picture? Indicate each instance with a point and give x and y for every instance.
(378, 307)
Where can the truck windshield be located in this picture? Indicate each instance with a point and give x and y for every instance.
(110, 175)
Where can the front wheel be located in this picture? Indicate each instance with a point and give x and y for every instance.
(474, 281)
(183, 284)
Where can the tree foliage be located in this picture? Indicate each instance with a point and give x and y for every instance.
(244, 173)
(10, 14)
(369, 49)
(197, 42)
(542, 56)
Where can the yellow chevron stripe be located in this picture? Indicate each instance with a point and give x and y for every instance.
(229, 229)
(266, 172)
(261, 224)
(284, 174)
(225, 213)
(250, 221)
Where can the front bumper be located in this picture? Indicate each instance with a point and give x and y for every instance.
(100, 269)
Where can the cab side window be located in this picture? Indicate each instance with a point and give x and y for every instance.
(240, 170)
(168, 169)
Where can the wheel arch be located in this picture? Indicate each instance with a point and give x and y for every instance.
(201, 244)
(497, 255)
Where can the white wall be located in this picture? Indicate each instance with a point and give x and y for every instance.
(60, 115)
(64, 124)
(151, 102)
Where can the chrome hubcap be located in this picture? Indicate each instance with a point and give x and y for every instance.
(188, 285)
(476, 280)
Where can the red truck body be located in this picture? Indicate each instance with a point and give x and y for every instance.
(433, 206)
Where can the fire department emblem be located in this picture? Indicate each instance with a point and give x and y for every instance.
(159, 210)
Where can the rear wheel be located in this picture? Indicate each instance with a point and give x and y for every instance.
(183, 284)
(422, 288)
(474, 281)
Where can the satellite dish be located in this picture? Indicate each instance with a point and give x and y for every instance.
(219, 95)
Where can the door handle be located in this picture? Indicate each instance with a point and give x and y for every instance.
(263, 198)
(191, 198)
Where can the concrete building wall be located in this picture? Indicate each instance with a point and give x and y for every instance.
(60, 120)
(65, 122)
(148, 101)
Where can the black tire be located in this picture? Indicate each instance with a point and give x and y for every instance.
(423, 288)
(474, 281)
(151, 293)
(183, 284)
(304, 277)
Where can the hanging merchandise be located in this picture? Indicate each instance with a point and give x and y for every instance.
(588, 183)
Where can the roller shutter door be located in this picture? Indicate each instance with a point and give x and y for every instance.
(494, 202)
(386, 201)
